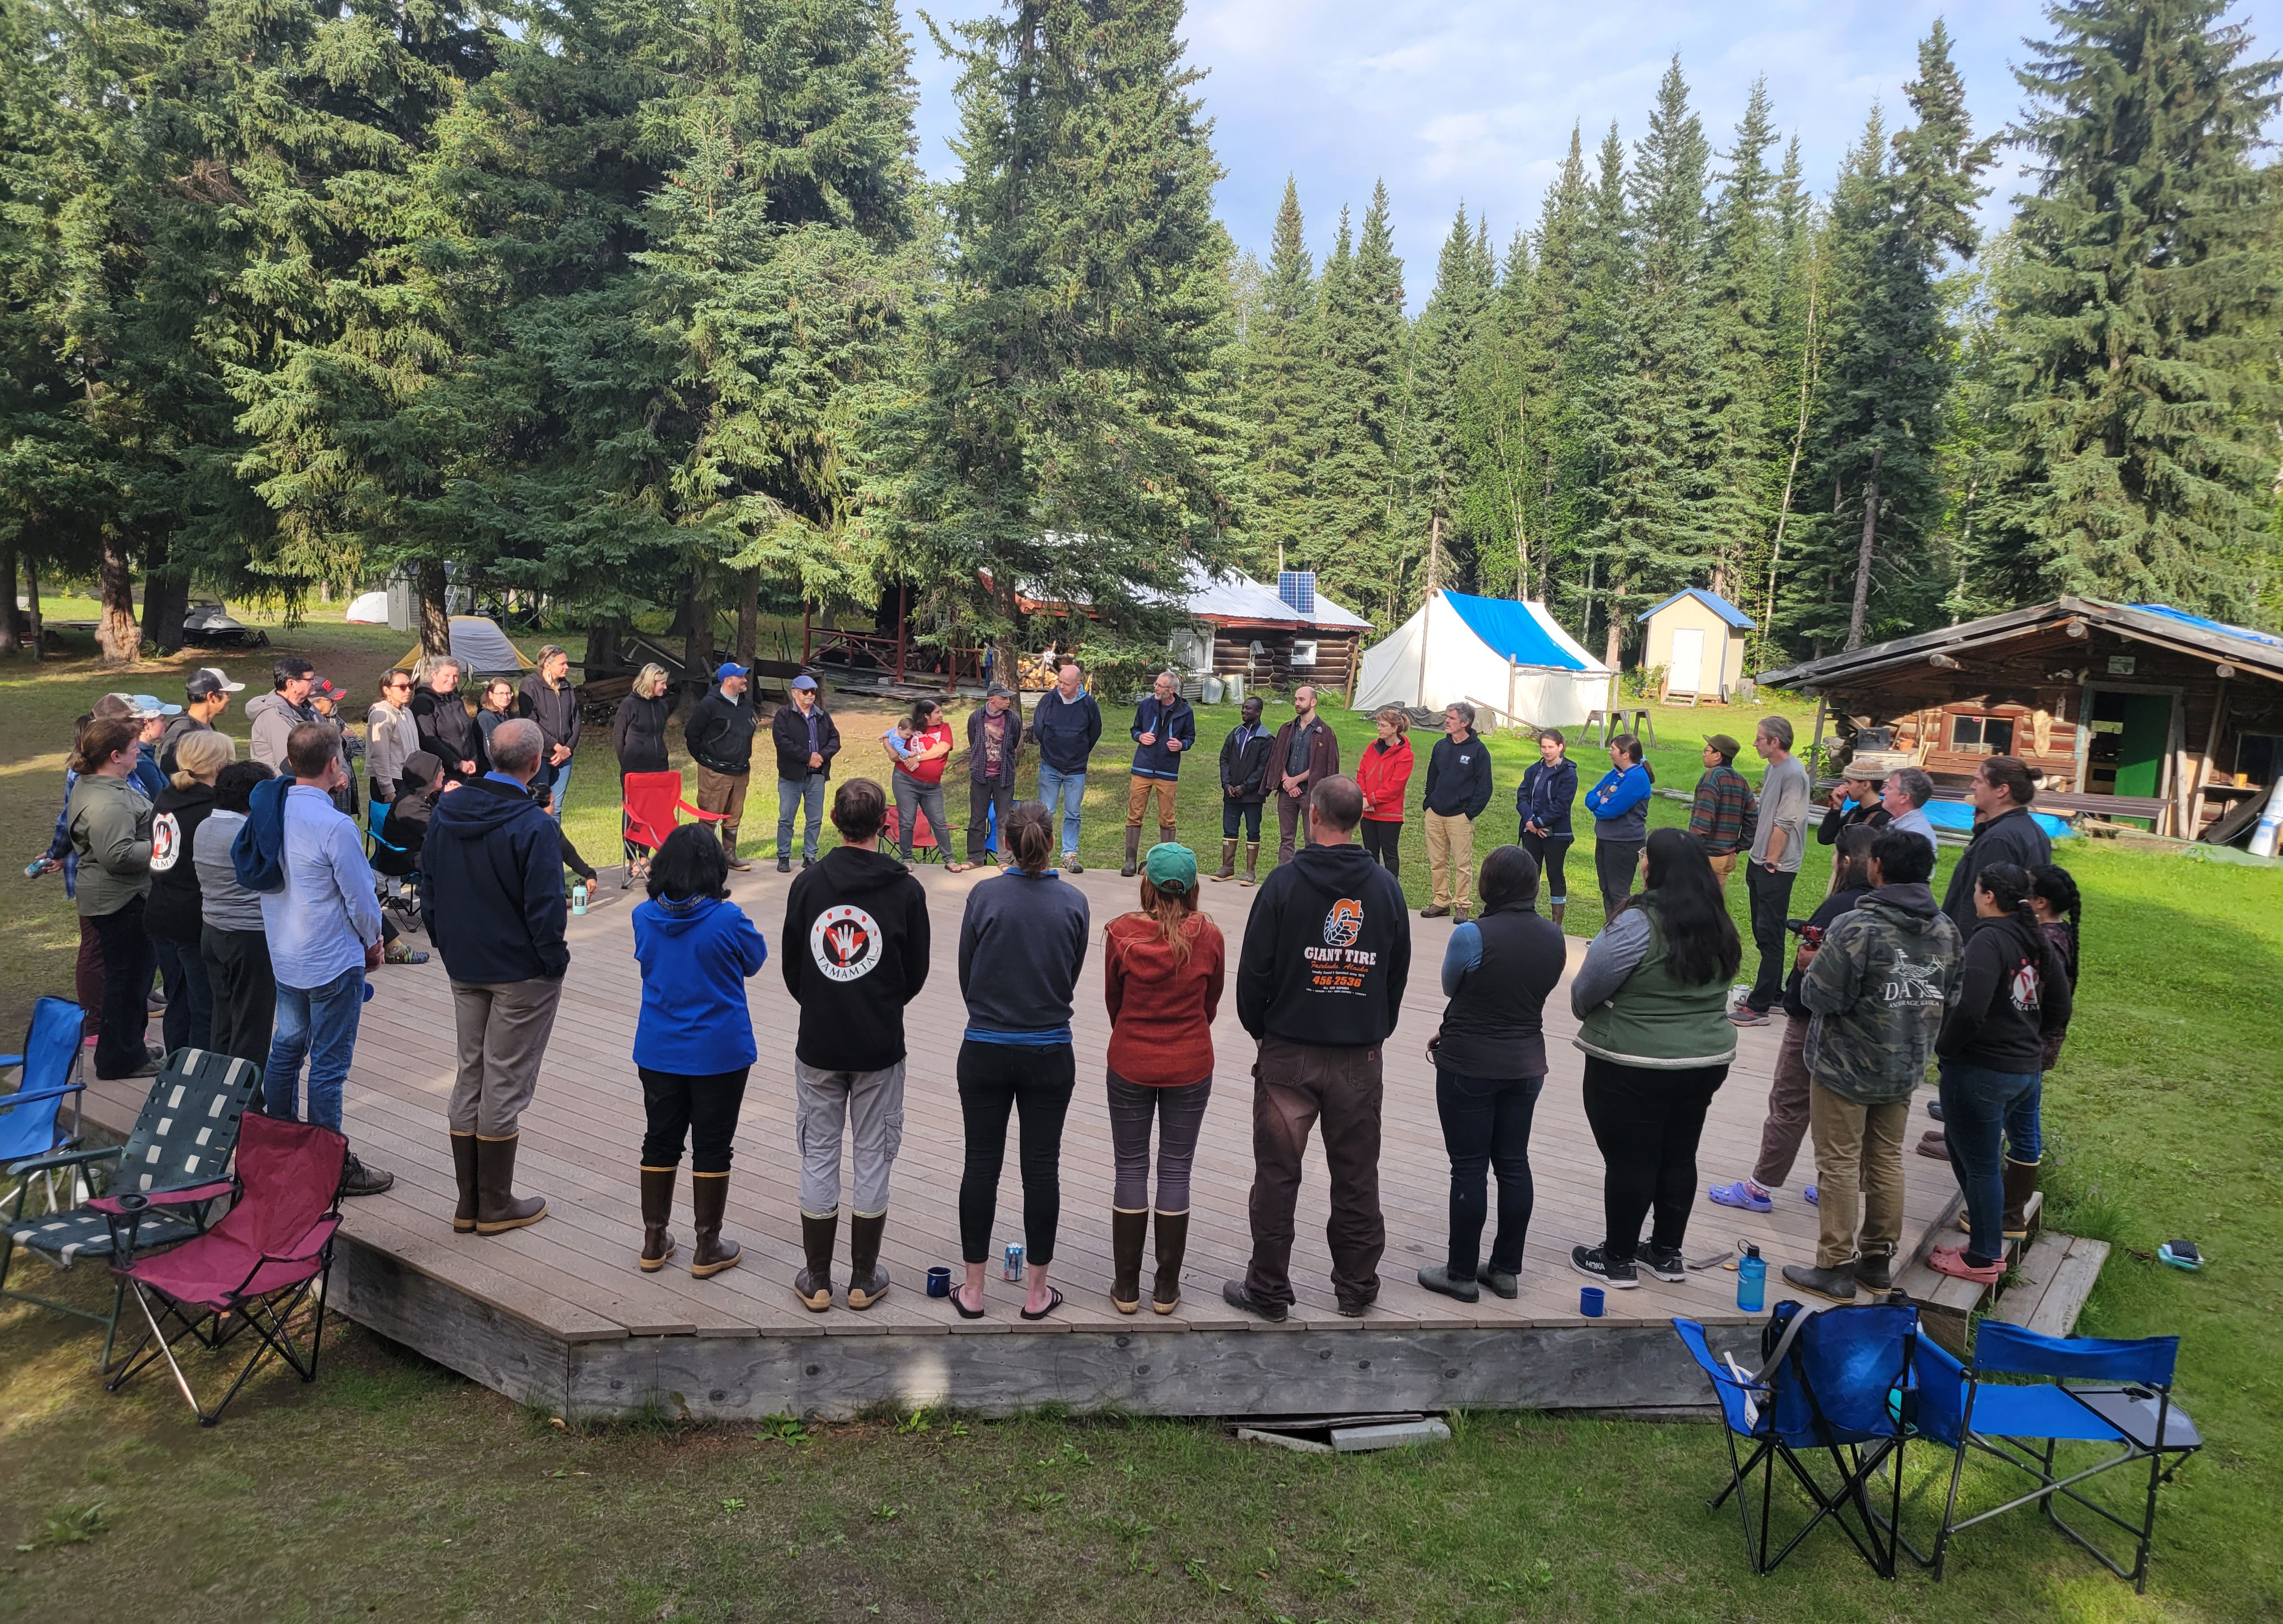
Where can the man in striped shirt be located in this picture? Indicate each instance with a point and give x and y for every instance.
(1721, 819)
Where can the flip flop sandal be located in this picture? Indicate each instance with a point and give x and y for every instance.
(963, 1310)
(1057, 1302)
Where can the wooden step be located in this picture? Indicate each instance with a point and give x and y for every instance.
(2057, 1278)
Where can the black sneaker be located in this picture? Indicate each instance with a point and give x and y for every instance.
(1662, 1264)
(1589, 1261)
(358, 1179)
(1232, 1293)
(1875, 1270)
(1837, 1284)
(784, 865)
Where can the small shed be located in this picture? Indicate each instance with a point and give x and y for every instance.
(1697, 636)
(1509, 657)
(2135, 711)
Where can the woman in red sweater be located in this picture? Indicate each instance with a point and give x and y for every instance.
(1162, 973)
(1384, 773)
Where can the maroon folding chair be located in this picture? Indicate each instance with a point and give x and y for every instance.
(254, 1270)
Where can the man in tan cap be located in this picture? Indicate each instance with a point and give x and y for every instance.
(1721, 819)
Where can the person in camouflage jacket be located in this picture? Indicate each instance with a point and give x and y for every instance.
(1875, 991)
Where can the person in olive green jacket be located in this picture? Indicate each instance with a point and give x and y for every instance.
(108, 820)
(1653, 998)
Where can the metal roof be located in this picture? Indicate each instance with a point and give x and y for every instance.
(1712, 601)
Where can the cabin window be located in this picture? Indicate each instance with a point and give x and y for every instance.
(1304, 653)
(1982, 735)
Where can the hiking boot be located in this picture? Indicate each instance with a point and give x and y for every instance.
(1595, 1264)
(1837, 1284)
(358, 1179)
(1232, 1293)
(1132, 852)
(1127, 1231)
(1875, 1270)
(784, 865)
(1438, 1278)
(1228, 869)
(867, 1282)
(709, 1253)
(1662, 1263)
(464, 1176)
(656, 1207)
(1458, 915)
(1435, 910)
(1070, 865)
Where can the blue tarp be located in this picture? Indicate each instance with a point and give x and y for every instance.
(1513, 632)
(1958, 816)
(2185, 619)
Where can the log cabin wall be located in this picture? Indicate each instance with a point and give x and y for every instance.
(1233, 656)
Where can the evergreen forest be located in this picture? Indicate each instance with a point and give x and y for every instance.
(645, 308)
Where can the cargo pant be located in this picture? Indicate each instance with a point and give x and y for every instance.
(870, 1106)
(1858, 1157)
(1294, 1087)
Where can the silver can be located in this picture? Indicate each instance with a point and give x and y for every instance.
(1013, 1270)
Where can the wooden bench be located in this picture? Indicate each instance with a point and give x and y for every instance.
(2062, 804)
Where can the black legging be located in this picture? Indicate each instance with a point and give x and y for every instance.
(1486, 1125)
(703, 1107)
(127, 961)
(1380, 841)
(1646, 1120)
(1551, 852)
(995, 1078)
(1616, 862)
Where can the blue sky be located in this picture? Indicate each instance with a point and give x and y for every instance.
(1464, 100)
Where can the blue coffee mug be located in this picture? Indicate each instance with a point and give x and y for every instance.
(1589, 1301)
(938, 1284)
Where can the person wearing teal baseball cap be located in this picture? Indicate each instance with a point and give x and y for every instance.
(1163, 966)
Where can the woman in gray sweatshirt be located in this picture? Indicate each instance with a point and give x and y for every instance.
(230, 939)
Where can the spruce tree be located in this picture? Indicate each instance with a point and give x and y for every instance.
(1740, 310)
(1280, 384)
(1360, 543)
(2139, 336)
(1443, 341)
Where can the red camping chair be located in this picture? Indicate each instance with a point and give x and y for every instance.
(653, 800)
(256, 1268)
(924, 848)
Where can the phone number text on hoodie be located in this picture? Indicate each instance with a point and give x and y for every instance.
(1339, 969)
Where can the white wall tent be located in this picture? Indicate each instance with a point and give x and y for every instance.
(1497, 652)
(481, 648)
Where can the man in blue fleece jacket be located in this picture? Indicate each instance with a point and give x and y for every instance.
(1066, 725)
(1164, 728)
(491, 894)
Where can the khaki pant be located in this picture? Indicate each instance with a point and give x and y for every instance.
(1858, 1157)
(503, 1027)
(1450, 859)
(1138, 790)
(723, 793)
(1722, 865)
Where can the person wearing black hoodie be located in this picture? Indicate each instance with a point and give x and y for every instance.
(174, 914)
(1319, 985)
(2004, 832)
(855, 952)
(491, 894)
(2012, 992)
(441, 719)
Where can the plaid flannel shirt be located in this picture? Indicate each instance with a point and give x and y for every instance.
(1722, 815)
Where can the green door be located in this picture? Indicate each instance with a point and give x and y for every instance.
(2141, 748)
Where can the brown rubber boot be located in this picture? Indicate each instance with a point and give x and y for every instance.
(1173, 1241)
(2020, 1184)
(1133, 851)
(1560, 908)
(656, 1207)
(1252, 861)
(498, 1208)
(867, 1282)
(1165, 836)
(464, 1173)
(1127, 1231)
(814, 1284)
(1228, 862)
(709, 1253)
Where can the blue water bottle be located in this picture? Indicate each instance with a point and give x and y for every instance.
(1751, 1281)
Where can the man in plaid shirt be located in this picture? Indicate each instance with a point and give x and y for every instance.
(1723, 814)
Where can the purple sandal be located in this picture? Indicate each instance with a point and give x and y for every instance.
(1740, 1194)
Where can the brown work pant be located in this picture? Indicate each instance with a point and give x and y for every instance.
(723, 793)
(1294, 1086)
(1291, 822)
(1786, 1122)
(1858, 1157)
(1138, 790)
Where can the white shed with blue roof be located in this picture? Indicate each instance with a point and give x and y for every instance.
(1697, 638)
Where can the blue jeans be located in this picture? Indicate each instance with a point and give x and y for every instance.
(1976, 1104)
(558, 784)
(321, 1023)
(188, 1020)
(800, 793)
(1067, 790)
(2025, 1137)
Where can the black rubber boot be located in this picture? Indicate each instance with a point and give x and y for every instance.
(464, 1173)
(1252, 861)
(1172, 1242)
(1132, 852)
(709, 1253)
(2020, 1184)
(657, 1209)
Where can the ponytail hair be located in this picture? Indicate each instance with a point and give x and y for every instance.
(1028, 836)
(102, 739)
(2009, 886)
(2057, 888)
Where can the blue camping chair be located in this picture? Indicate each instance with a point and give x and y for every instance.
(2125, 1402)
(48, 1073)
(1833, 1395)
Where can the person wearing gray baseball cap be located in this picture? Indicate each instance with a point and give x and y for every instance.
(206, 696)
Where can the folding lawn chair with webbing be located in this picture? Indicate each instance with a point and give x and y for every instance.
(178, 1158)
(267, 1257)
(2125, 1403)
(1835, 1384)
(47, 1074)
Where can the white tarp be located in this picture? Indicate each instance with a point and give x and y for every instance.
(370, 609)
(1511, 656)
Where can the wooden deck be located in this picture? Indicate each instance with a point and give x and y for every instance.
(558, 1315)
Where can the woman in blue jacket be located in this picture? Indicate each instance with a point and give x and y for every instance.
(1619, 803)
(694, 1041)
(1548, 788)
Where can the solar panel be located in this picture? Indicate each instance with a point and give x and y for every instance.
(1298, 589)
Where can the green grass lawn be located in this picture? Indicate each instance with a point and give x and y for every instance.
(393, 1489)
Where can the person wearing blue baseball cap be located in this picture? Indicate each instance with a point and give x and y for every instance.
(720, 734)
(806, 741)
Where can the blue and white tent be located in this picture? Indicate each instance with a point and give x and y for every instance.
(1501, 653)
